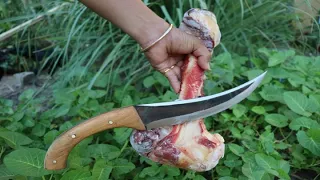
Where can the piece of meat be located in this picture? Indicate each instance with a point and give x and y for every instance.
(189, 145)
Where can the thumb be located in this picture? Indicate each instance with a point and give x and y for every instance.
(183, 43)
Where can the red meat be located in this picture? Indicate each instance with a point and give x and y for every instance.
(189, 145)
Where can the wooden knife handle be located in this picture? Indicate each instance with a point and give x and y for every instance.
(58, 152)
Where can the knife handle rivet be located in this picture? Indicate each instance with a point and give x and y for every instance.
(54, 161)
(110, 122)
(73, 136)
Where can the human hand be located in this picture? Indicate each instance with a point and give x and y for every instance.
(145, 26)
(171, 50)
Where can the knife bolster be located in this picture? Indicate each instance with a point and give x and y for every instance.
(57, 154)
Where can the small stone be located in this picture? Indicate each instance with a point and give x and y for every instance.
(25, 78)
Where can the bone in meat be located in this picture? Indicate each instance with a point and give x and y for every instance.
(189, 145)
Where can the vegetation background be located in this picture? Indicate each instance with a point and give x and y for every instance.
(94, 67)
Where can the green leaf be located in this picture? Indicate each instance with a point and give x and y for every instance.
(169, 96)
(6, 102)
(306, 90)
(76, 175)
(254, 73)
(93, 105)
(297, 153)
(62, 110)
(268, 163)
(161, 79)
(267, 140)
(254, 97)
(39, 130)
(26, 95)
(50, 136)
(121, 166)
(5, 173)
(284, 165)
(297, 102)
(283, 174)
(295, 79)
(127, 101)
(277, 120)
(239, 110)
(149, 171)
(272, 93)
(208, 122)
(282, 145)
(104, 151)
(258, 109)
(314, 103)
(149, 81)
(232, 163)
(101, 82)
(170, 170)
(236, 149)
(100, 171)
(297, 123)
(65, 126)
(62, 96)
(15, 139)
(199, 177)
(266, 52)
(290, 114)
(26, 162)
(84, 97)
(310, 140)
(28, 121)
(227, 178)
(95, 94)
(223, 170)
(235, 132)
(269, 108)
(248, 157)
(122, 134)
(77, 162)
(17, 116)
(280, 57)
(255, 172)
(15, 126)
(278, 73)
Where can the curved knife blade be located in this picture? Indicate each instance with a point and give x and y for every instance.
(178, 112)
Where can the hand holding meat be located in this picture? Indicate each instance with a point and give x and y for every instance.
(171, 51)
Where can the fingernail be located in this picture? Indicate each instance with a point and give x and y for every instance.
(209, 66)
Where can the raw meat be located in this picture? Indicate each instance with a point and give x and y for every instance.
(189, 145)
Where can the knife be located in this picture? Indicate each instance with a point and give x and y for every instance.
(146, 117)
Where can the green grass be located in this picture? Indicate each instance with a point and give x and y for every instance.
(83, 40)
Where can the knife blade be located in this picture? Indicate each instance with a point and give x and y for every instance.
(178, 112)
(146, 117)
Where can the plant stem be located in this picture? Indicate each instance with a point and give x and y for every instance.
(31, 22)
(124, 146)
(2, 150)
(285, 138)
(312, 165)
(316, 177)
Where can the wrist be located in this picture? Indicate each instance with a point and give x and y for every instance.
(150, 31)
